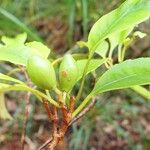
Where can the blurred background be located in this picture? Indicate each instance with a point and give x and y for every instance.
(119, 121)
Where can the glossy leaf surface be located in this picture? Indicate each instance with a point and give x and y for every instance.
(19, 53)
(93, 65)
(130, 13)
(124, 75)
(20, 87)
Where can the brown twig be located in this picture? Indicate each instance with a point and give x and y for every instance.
(46, 143)
(55, 137)
(55, 119)
(58, 133)
(53, 116)
(65, 114)
(72, 104)
(53, 141)
(26, 113)
(46, 105)
(84, 111)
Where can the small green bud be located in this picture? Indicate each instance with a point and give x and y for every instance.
(41, 72)
(68, 73)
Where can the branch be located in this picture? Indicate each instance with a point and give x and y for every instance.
(54, 117)
(26, 113)
(84, 111)
(46, 143)
(46, 105)
(88, 108)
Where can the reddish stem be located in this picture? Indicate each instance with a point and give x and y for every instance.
(46, 105)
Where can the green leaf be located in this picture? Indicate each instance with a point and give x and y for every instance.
(19, 53)
(19, 87)
(1, 45)
(7, 78)
(23, 87)
(124, 75)
(39, 47)
(82, 44)
(94, 64)
(4, 86)
(114, 40)
(130, 13)
(102, 49)
(19, 39)
(3, 110)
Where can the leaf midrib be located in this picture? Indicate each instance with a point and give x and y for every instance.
(136, 74)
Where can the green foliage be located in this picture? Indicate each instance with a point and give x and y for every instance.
(130, 13)
(40, 48)
(7, 78)
(111, 43)
(112, 30)
(124, 75)
(108, 32)
(94, 64)
(18, 53)
(19, 39)
(24, 87)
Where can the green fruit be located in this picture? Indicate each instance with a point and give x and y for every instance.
(41, 72)
(68, 73)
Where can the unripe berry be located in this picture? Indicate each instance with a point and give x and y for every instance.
(41, 72)
(68, 73)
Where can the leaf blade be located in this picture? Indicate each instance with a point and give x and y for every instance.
(130, 13)
(39, 47)
(124, 75)
(20, 38)
(8, 78)
(94, 64)
(19, 53)
(23, 87)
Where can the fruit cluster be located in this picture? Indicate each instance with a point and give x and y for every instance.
(42, 73)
